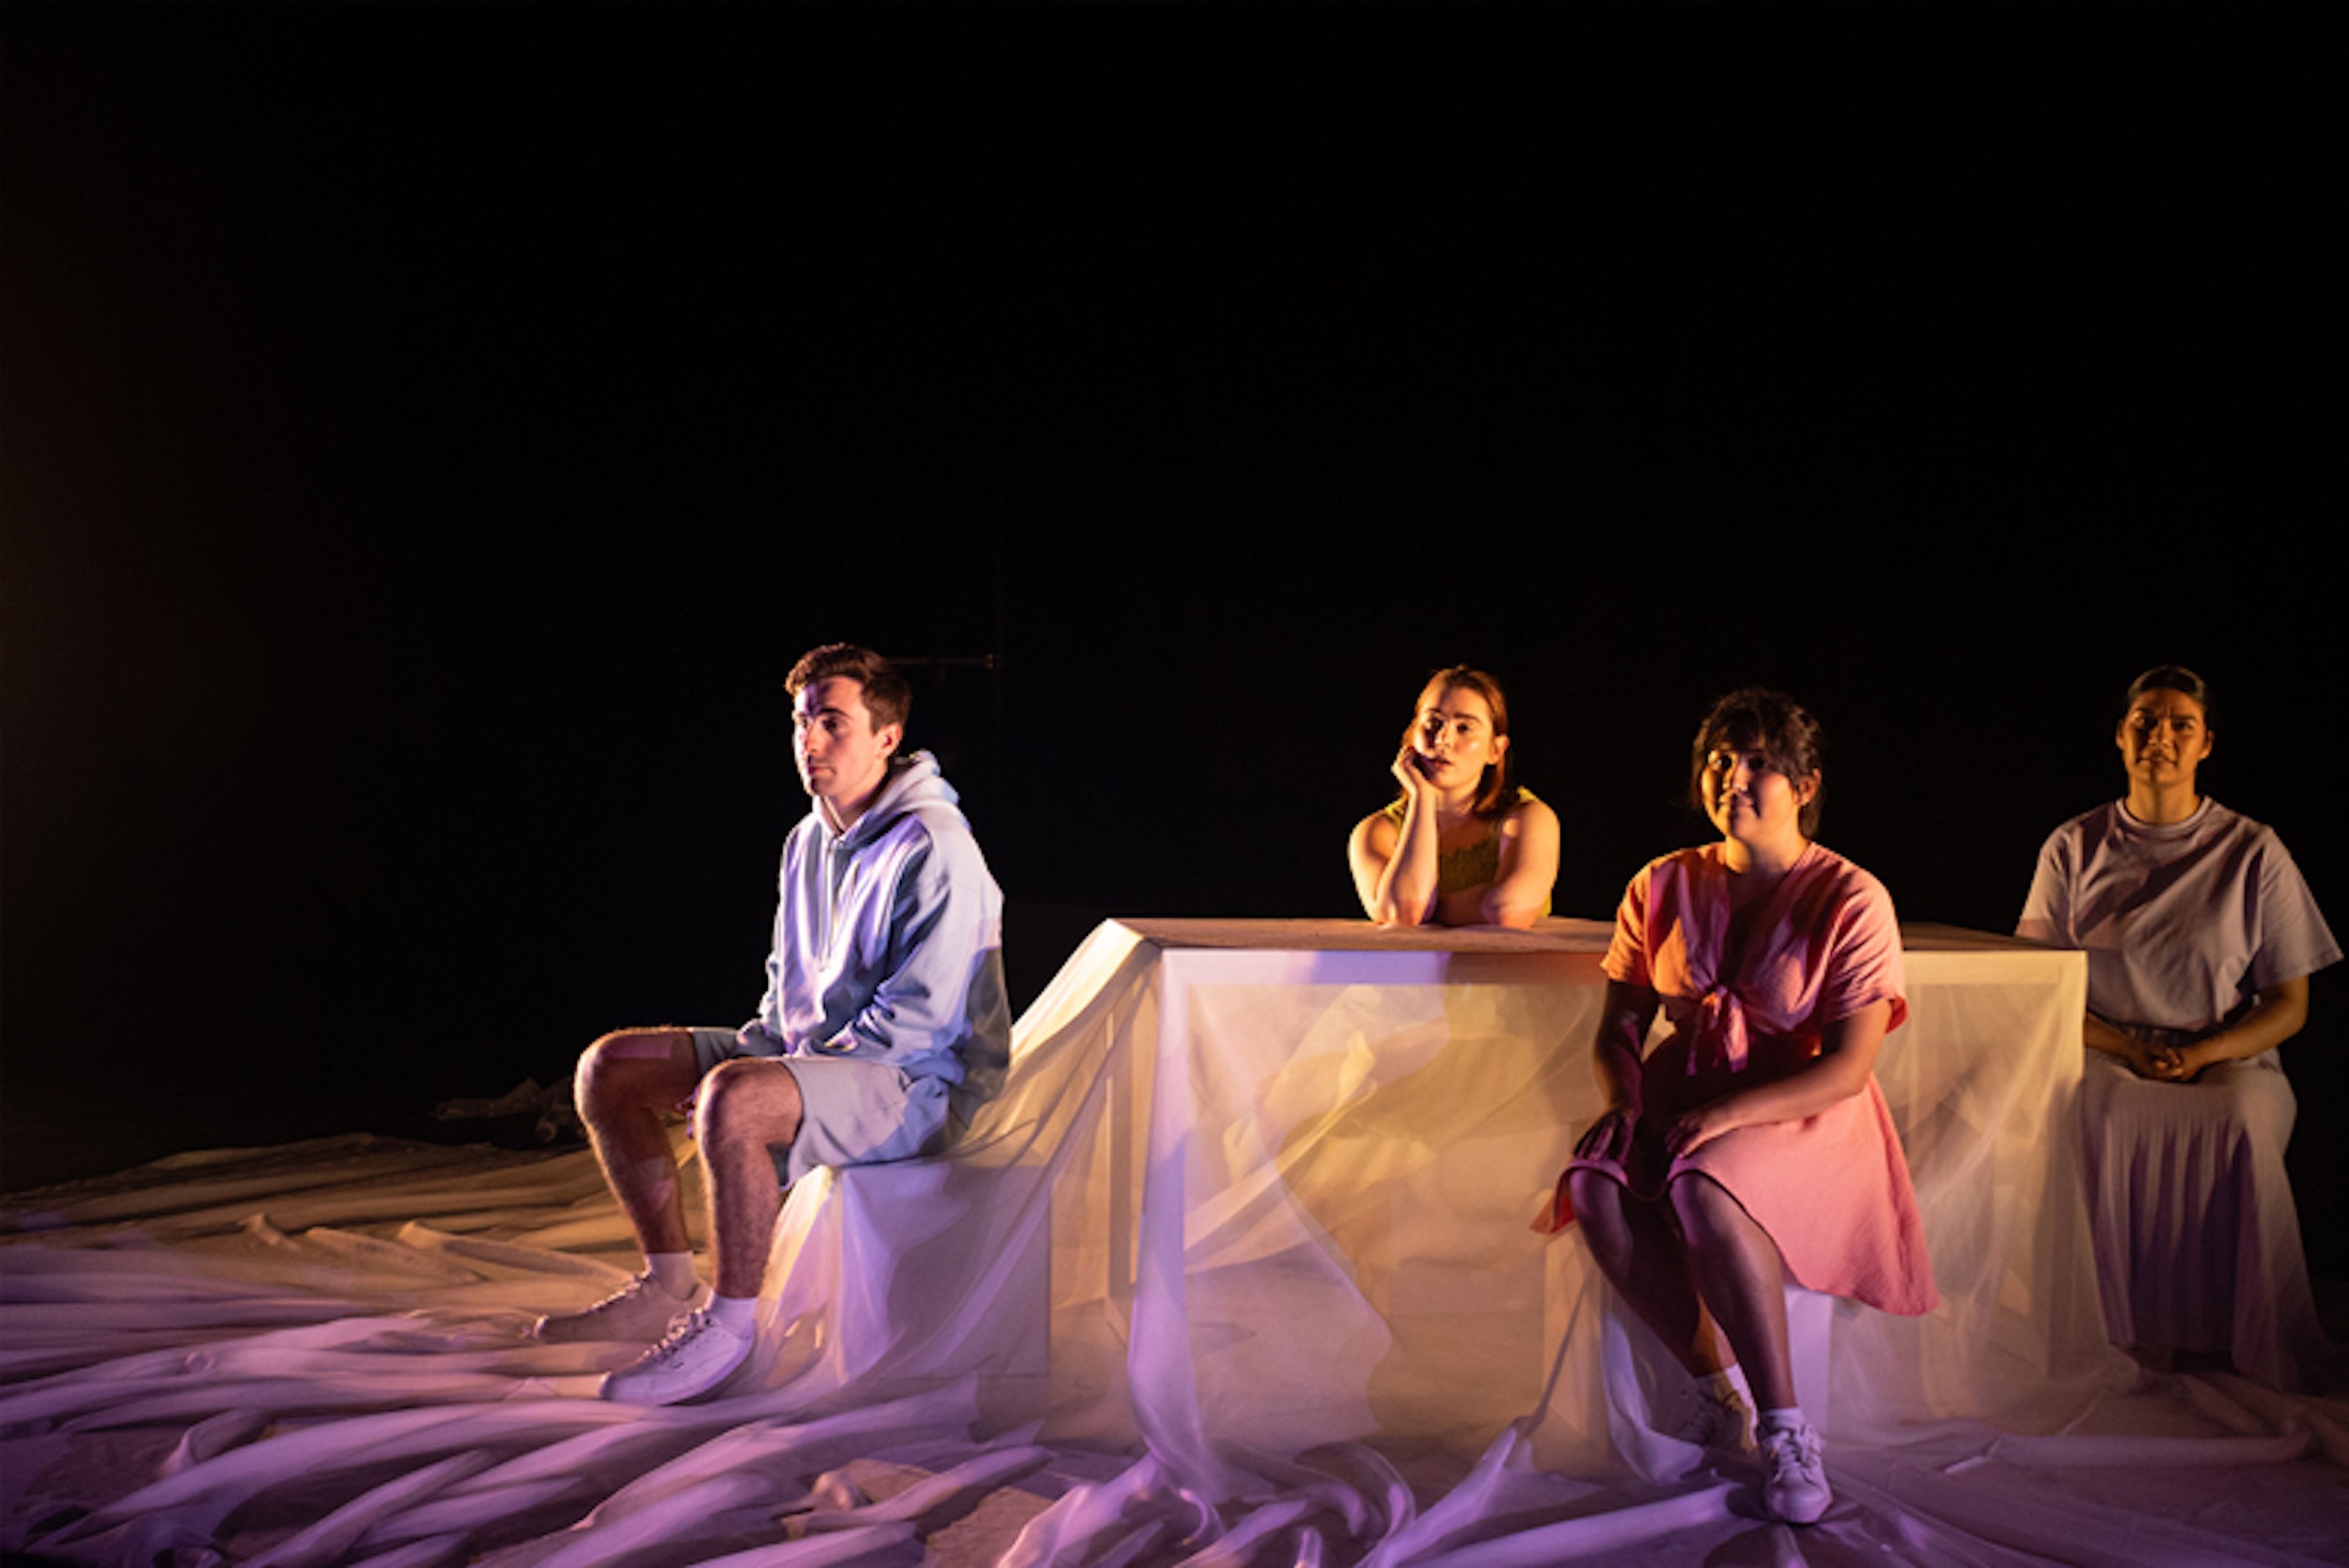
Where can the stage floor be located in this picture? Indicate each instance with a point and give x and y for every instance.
(1237, 1270)
(315, 1354)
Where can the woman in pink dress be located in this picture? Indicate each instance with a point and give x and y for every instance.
(2201, 937)
(1751, 1143)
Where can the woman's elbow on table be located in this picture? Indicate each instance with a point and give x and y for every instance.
(1516, 911)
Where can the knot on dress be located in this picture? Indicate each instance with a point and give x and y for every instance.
(1721, 1032)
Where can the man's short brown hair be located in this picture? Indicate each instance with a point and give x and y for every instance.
(887, 697)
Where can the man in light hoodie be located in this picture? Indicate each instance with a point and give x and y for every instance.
(883, 1026)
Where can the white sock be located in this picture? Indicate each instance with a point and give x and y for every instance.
(1785, 1419)
(672, 1271)
(740, 1314)
(1720, 1387)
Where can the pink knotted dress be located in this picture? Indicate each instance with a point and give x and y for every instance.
(1832, 1189)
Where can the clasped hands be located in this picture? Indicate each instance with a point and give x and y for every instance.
(2164, 1064)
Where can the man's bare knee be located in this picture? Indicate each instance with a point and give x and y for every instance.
(750, 1099)
(633, 1068)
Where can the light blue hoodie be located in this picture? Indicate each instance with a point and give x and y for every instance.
(889, 941)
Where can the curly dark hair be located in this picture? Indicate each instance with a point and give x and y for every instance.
(1782, 728)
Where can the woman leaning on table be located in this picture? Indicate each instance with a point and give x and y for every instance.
(1751, 1143)
(1461, 845)
(2201, 937)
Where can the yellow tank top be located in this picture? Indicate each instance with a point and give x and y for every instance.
(1471, 864)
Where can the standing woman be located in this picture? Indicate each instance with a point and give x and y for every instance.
(2201, 937)
(1753, 1142)
(1461, 845)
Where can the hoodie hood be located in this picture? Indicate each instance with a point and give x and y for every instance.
(913, 783)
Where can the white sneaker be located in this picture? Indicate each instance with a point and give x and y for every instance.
(698, 1354)
(639, 1311)
(1796, 1488)
(1711, 1420)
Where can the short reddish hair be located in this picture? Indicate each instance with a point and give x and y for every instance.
(1496, 792)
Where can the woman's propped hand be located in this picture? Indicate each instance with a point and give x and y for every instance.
(1410, 771)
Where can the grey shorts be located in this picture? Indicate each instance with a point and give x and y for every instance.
(852, 1112)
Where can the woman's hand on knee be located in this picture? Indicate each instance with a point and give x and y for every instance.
(1609, 1137)
(1697, 1129)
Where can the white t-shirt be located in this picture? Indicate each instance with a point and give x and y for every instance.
(2181, 923)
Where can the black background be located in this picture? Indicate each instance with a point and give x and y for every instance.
(430, 434)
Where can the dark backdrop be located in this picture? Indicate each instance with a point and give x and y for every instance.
(431, 435)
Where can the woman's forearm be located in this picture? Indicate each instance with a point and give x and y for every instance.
(1528, 867)
(1623, 1035)
(1847, 1057)
(2098, 1035)
(1406, 890)
(1825, 1081)
(2276, 1015)
(1618, 1073)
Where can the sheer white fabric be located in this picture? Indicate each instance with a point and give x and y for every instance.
(1241, 1263)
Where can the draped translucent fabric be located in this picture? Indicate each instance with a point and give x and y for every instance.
(1240, 1267)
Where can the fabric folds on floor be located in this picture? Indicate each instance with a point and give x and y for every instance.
(1346, 1348)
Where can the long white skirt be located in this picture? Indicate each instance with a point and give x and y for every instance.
(2198, 1239)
